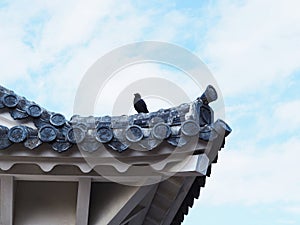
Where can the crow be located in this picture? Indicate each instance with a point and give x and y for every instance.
(139, 104)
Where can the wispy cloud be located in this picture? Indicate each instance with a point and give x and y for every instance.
(256, 176)
(293, 209)
(253, 44)
(54, 43)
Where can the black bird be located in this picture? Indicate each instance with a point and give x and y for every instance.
(139, 104)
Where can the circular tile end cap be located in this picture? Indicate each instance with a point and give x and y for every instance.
(190, 128)
(57, 119)
(10, 100)
(47, 133)
(161, 131)
(104, 134)
(17, 134)
(75, 135)
(34, 110)
(134, 133)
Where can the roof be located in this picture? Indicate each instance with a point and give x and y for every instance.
(188, 132)
(176, 126)
(193, 193)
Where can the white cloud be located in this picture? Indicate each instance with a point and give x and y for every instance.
(287, 114)
(274, 122)
(153, 81)
(293, 209)
(255, 176)
(71, 38)
(253, 44)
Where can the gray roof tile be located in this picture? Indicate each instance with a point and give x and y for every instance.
(175, 126)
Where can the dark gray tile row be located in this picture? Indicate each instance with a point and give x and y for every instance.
(146, 131)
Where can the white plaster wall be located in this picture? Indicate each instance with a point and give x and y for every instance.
(45, 203)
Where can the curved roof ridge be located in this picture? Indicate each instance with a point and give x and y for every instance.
(175, 126)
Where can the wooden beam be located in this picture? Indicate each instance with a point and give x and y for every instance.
(178, 201)
(131, 204)
(83, 201)
(137, 211)
(146, 203)
(6, 200)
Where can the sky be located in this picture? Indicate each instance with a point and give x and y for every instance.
(252, 48)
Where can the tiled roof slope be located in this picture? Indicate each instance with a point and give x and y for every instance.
(188, 202)
(175, 126)
(192, 194)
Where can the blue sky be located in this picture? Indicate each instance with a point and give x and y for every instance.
(251, 47)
